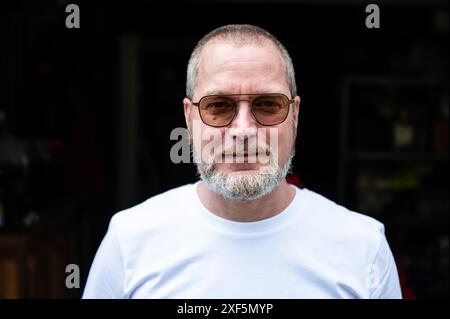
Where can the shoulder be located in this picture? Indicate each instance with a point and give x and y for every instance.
(352, 245)
(345, 228)
(158, 212)
(330, 213)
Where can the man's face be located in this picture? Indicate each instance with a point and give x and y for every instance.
(225, 68)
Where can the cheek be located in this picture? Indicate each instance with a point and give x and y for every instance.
(205, 136)
(284, 139)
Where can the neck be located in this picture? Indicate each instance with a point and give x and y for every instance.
(247, 211)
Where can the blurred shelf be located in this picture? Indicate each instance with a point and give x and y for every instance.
(33, 260)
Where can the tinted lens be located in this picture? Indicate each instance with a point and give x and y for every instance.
(270, 109)
(217, 110)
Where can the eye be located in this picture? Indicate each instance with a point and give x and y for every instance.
(266, 103)
(218, 105)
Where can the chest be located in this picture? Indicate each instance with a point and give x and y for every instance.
(236, 269)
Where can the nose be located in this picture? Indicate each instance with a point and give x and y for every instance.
(244, 124)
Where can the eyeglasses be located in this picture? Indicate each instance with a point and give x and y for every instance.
(220, 110)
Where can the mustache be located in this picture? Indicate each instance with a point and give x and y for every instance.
(223, 153)
(241, 149)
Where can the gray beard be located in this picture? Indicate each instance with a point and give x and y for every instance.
(244, 187)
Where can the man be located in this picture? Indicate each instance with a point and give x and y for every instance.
(242, 231)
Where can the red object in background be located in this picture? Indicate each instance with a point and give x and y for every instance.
(46, 68)
(294, 179)
(407, 292)
(56, 145)
(441, 137)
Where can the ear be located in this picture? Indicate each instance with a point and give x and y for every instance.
(187, 106)
(296, 109)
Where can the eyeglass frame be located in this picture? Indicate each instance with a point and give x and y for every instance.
(197, 104)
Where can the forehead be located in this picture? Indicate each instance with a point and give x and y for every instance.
(241, 68)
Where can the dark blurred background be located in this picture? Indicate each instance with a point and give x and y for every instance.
(86, 115)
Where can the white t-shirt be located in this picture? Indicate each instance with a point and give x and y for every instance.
(171, 246)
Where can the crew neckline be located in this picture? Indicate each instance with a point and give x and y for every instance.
(295, 208)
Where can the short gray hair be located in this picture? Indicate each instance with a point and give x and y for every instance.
(241, 34)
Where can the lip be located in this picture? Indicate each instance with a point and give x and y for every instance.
(240, 155)
(234, 154)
